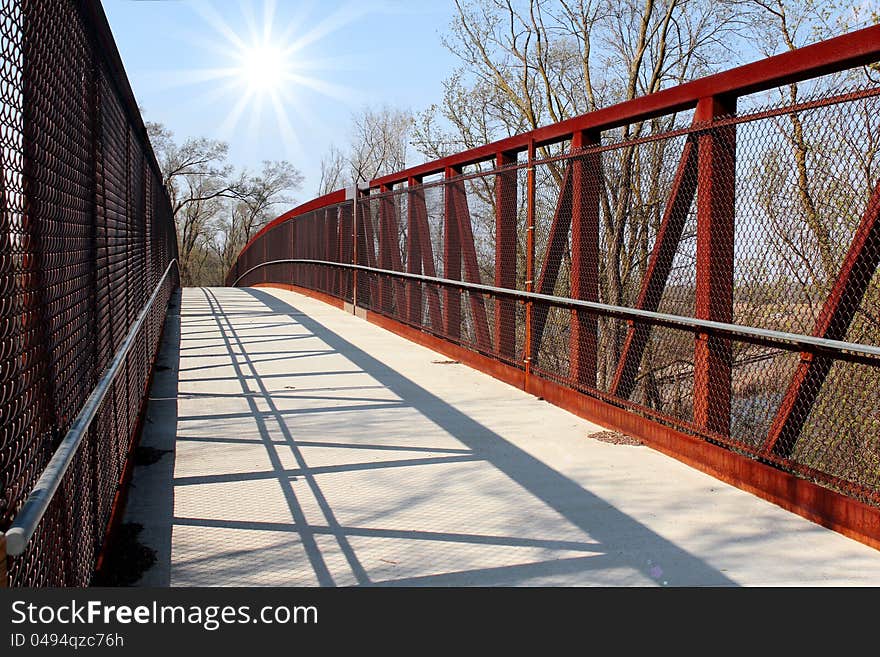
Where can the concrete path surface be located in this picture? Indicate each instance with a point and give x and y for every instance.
(295, 444)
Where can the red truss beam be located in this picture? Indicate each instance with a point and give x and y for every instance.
(413, 251)
(681, 197)
(716, 176)
(389, 252)
(469, 257)
(859, 267)
(843, 52)
(419, 215)
(321, 202)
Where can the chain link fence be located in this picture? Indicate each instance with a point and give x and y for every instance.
(87, 233)
(709, 242)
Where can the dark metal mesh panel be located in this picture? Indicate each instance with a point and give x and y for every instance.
(766, 219)
(85, 235)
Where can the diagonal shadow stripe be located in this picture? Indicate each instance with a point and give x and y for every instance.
(329, 445)
(565, 496)
(403, 534)
(231, 336)
(232, 477)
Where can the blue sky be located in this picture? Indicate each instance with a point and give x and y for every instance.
(188, 59)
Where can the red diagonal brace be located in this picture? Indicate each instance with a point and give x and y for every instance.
(390, 291)
(417, 201)
(681, 197)
(859, 267)
(469, 256)
(556, 246)
(451, 260)
(413, 251)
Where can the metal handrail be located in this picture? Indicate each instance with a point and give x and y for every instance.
(25, 523)
(780, 338)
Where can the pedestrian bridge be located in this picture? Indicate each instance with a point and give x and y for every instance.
(296, 444)
(437, 376)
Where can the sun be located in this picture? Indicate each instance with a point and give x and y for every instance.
(264, 68)
(262, 71)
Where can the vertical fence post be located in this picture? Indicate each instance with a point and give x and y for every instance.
(413, 251)
(265, 245)
(530, 255)
(586, 179)
(505, 254)
(339, 235)
(451, 259)
(355, 215)
(386, 243)
(716, 182)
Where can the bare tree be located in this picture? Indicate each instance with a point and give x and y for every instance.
(526, 63)
(216, 209)
(253, 207)
(198, 181)
(379, 144)
(334, 171)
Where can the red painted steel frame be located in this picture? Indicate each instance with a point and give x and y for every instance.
(707, 171)
(420, 217)
(681, 197)
(505, 254)
(451, 261)
(462, 220)
(413, 249)
(847, 51)
(713, 355)
(556, 246)
(586, 181)
(816, 503)
(315, 204)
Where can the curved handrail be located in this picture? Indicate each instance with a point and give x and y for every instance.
(28, 518)
(793, 341)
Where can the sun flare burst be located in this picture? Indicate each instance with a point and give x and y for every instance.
(264, 67)
(263, 72)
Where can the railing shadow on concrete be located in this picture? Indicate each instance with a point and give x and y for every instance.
(613, 534)
(723, 348)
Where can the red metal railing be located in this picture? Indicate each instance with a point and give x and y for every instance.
(707, 279)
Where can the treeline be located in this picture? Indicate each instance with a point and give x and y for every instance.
(217, 208)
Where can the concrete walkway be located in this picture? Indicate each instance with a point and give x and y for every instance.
(307, 447)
